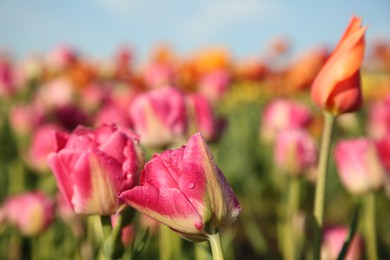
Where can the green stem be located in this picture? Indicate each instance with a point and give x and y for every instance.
(216, 246)
(170, 244)
(292, 208)
(369, 224)
(319, 200)
(106, 229)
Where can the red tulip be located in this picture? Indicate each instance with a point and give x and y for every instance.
(359, 165)
(185, 190)
(92, 167)
(30, 212)
(336, 88)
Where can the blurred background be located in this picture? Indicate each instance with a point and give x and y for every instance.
(98, 27)
(243, 69)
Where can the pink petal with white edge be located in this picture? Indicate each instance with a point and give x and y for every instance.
(214, 193)
(94, 189)
(165, 205)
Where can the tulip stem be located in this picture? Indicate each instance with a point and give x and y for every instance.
(216, 246)
(106, 229)
(291, 244)
(319, 200)
(369, 225)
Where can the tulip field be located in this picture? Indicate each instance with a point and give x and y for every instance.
(197, 156)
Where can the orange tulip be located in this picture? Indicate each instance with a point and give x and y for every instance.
(336, 88)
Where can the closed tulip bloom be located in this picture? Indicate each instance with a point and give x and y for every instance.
(359, 165)
(185, 190)
(159, 116)
(41, 146)
(333, 242)
(295, 151)
(379, 118)
(282, 114)
(202, 118)
(337, 87)
(92, 167)
(31, 213)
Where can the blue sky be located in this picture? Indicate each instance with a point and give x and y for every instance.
(98, 27)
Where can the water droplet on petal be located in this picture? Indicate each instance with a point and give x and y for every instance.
(191, 185)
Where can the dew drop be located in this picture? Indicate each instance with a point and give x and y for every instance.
(198, 225)
(191, 185)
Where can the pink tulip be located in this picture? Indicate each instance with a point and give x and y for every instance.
(333, 241)
(202, 117)
(379, 118)
(159, 74)
(41, 146)
(359, 166)
(30, 212)
(159, 116)
(383, 147)
(61, 57)
(7, 78)
(92, 167)
(215, 84)
(26, 118)
(282, 114)
(185, 190)
(295, 151)
(112, 113)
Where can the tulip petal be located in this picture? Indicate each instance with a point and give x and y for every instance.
(166, 205)
(114, 145)
(211, 190)
(61, 170)
(94, 176)
(163, 170)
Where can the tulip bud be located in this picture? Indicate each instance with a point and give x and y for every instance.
(333, 241)
(282, 114)
(359, 166)
(336, 88)
(202, 118)
(295, 151)
(30, 212)
(159, 116)
(185, 190)
(92, 167)
(379, 118)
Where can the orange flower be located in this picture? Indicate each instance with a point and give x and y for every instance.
(336, 88)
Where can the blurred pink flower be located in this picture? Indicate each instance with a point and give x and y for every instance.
(7, 78)
(30, 212)
(281, 114)
(128, 232)
(25, 118)
(215, 84)
(159, 116)
(201, 117)
(92, 167)
(333, 241)
(56, 93)
(359, 165)
(383, 147)
(112, 113)
(158, 75)
(295, 151)
(185, 190)
(41, 146)
(61, 57)
(379, 118)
